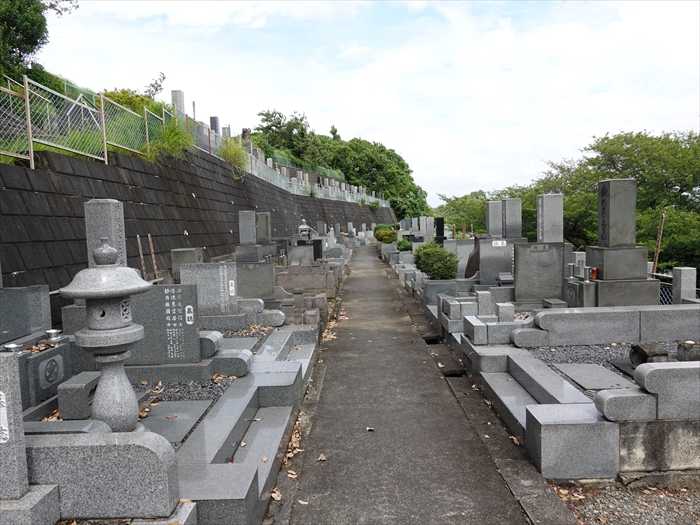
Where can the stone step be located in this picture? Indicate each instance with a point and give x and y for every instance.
(509, 398)
(543, 383)
(275, 346)
(265, 444)
(304, 354)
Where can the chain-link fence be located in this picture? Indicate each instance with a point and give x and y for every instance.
(61, 122)
(14, 139)
(124, 128)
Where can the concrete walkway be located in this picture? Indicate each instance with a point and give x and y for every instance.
(423, 462)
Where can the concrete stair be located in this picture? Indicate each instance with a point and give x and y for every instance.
(509, 399)
(296, 343)
(543, 383)
(231, 483)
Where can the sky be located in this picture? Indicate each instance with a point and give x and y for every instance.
(474, 95)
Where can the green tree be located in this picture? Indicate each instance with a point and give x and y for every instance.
(468, 210)
(23, 30)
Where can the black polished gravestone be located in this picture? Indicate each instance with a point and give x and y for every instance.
(440, 230)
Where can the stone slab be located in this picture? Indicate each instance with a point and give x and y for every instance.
(75, 395)
(543, 383)
(653, 446)
(475, 330)
(572, 442)
(174, 419)
(509, 399)
(538, 270)
(180, 256)
(618, 263)
(670, 323)
(490, 358)
(216, 286)
(78, 426)
(594, 377)
(626, 404)
(529, 337)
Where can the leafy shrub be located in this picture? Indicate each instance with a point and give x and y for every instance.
(404, 245)
(174, 140)
(435, 261)
(385, 233)
(38, 74)
(136, 101)
(233, 152)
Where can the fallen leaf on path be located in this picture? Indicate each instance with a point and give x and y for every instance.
(322, 457)
(302, 502)
(440, 365)
(244, 444)
(370, 429)
(515, 440)
(292, 475)
(276, 494)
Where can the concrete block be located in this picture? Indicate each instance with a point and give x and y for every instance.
(675, 322)
(529, 337)
(594, 377)
(75, 395)
(90, 469)
(618, 263)
(488, 358)
(551, 302)
(475, 330)
(543, 383)
(209, 342)
(654, 446)
(499, 333)
(485, 304)
(626, 404)
(538, 270)
(505, 312)
(684, 283)
(584, 326)
(572, 442)
(676, 385)
(627, 293)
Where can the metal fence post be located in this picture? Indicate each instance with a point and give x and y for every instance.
(103, 125)
(28, 113)
(145, 123)
(209, 138)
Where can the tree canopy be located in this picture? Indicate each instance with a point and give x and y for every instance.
(666, 168)
(23, 30)
(289, 140)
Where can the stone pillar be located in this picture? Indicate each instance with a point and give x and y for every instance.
(617, 212)
(512, 218)
(263, 227)
(439, 230)
(13, 482)
(494, 218)
(684, 283)
(550, 217)
(104, 218)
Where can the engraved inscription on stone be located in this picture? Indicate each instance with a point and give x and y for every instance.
(499, 244)
(174, 323)
(4, 425)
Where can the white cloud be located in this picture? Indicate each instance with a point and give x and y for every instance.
(471, 100)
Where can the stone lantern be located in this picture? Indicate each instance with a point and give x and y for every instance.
(110, 332)
(304, 230)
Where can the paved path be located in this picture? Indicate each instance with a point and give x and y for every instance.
(423, 463)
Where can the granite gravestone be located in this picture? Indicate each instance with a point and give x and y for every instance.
(263, 227)
(538, 271)
(512, 219)
(216, 283)
(180, 256)
(13, 481)
(494, 218)
(550, 217)
(108, 215)
(247, 227)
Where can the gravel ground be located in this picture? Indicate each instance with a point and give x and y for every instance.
(620, 505)
(596, 354)
(192, 391)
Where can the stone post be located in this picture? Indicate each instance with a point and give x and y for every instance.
(512, 218)
(13, 458)
(110, 331)
(550, 217)
(246, 227)
(439, 230)
(684, 283)
(617, 212)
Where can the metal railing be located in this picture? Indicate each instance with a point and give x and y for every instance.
(666, 288)
(86, 123)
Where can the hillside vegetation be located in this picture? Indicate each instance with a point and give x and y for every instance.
(290, 141)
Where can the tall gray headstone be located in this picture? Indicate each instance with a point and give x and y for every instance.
(216, 286)
(246, 227)
(13, 459)
(263, 227)
(321, 228)
(494, 218)
(512, 219)
(617, 212)
(550, 217)
(104, 218)
(180, 256)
